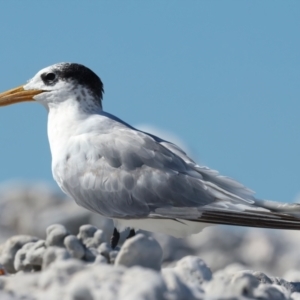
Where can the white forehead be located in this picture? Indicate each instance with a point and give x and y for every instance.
(50, 68)
(36, 81)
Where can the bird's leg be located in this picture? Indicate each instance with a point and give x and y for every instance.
(131, 234)
(114, 240)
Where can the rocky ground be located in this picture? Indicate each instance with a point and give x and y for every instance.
(52, 249)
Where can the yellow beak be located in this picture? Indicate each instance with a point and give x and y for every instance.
(18, 94)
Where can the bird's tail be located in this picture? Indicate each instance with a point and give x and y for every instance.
(262, 213)
(248, 218)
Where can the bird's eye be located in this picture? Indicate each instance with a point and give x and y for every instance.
(50, 76)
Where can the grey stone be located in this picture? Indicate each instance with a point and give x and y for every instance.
(59, 273)
(30, 256)
(103, 282)
(188, 278)
(193, 269)
(112, 256)
(53, 254)
(139, 283)
(90, 254)
(81, 293)
(295, 296)
(244, 283)
(10, 248)
(55, 235)
(262, 277)
(74, 246)
(100, 259)
(86, 231)
(36, 253)
(20, 261)
(290, 286)
(8, 296)
(178, 289)
(104, 249)
(241, 284)
(140, 251)
(266, 292)
(96, 240)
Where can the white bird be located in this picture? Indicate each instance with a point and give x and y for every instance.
(135, 178)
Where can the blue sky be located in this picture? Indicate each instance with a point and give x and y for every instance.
(223, 76)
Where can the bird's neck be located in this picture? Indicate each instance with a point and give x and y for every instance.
(66, 120)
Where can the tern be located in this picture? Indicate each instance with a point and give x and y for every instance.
(138, 180)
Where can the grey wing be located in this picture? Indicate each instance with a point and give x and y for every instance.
(257, 213)
(129, 174)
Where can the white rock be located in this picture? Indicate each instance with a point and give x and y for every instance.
(10, 248)
(295, 296)
(59, 272)
(8, 296)
(74, 246)
(22, 285)
(231, 269)
(30, 256)
(91, 254)
(241, 284)
(143, 284)
(112, 256)
(56, 234)
(271, 292)
(86, 231)
(178, 289)
(100, 259)
(36, 253)
(90, 236)
(104, 249)
(193, 269)
(140, 251)
(96, 240)
(102, 281)
(53, 254)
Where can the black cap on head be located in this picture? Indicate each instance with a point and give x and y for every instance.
(82, 75)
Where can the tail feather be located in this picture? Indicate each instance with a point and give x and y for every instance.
(263, 220)
(263, 214)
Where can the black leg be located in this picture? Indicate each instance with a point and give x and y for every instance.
(131, 234)
(114, 240)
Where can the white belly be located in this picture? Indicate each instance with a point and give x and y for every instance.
(178, 229)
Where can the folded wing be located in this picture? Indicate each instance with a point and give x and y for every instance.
(128, 174)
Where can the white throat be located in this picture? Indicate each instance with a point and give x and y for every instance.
(65, 120)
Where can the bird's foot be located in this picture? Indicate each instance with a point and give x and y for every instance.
(114, 240)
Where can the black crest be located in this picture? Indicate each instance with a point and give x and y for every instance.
(82, 75)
